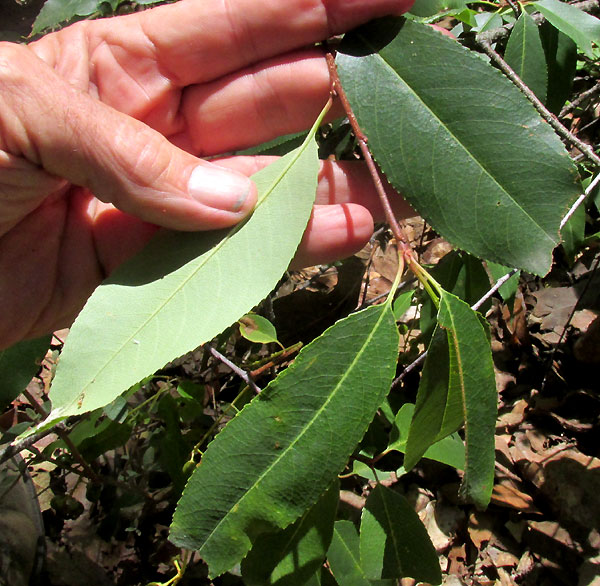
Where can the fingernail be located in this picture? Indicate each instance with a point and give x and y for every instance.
(219, 188)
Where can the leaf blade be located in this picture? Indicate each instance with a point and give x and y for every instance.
(295, 554)
(393, 541)
(472, 376)
(166, 289)
(55, 12)
(525, 54)
(310, 413)
(418, 111)
(449, 450)
(344, 556)
(583, 28)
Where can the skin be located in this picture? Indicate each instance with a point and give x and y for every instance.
(103, 123)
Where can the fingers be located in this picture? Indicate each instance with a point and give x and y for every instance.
(333, 232)
(341, 223)
(201, 41)
(48, 122)
(279, 96)
(340, 182)
(23, 186)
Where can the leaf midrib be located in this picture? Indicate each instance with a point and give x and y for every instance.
(451, 134)
(209, 255)
(308, 426)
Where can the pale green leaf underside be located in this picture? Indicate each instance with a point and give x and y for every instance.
(275, 458)
(460, 142)
(182, 290)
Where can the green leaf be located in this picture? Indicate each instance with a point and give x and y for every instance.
(459, 141)
(393, 541)
(472, 376)
(402, 303)
(583, 28)
(508, 289)
(424, 8)
(18, 365)
(279, 146)
(561, 61)
(458, 385)
(449, 450)
(433, 408)
(56, 12)
(486, 21)
(344, 556)
(573, 234)
(462, 275)
(525, 54)
(184, 289)
(296, 554)
(285, 447)
(257, 328)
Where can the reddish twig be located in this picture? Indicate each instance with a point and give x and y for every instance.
(337, 90)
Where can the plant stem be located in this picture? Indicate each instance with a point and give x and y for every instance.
(18, 446)
(64, 436)
(539, 106)
(580, 99)
(240, 372)
(580, 200)
(275, 359)
(337, 89)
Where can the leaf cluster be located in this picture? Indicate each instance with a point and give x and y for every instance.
(473, 156)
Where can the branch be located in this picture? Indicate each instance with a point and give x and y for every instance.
(580, 99)
(399, 234)
(241, 373)
(64, 436)
(579, 201)
(544, 112)
(18, 446)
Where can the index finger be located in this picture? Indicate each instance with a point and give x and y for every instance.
(199, 40)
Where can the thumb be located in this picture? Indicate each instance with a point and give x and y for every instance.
(121, 160)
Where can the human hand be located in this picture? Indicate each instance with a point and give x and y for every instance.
(101, 125)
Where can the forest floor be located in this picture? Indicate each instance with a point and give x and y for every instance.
(107, 524)
(107, 508)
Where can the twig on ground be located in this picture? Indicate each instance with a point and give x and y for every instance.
(580, 99)
(562, 335)
(240, 372)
